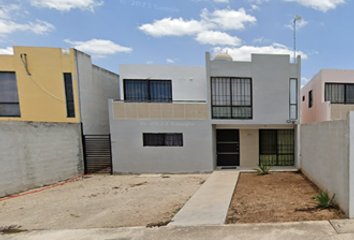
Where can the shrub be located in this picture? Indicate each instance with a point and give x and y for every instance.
(323, 200)
(262, 170)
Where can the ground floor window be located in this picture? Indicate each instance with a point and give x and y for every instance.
(276, 147)
(163, 139)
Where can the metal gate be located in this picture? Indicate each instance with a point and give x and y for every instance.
(97, 153)
(228, 147)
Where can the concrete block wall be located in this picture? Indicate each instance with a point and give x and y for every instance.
(326, 158)
(36, 154)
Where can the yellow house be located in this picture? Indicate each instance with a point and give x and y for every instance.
(55, 85)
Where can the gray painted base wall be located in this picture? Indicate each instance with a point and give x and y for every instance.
(325, 158)
(36, 154)
(130, 156)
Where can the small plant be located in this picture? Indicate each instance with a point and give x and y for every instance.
(262, 169)
(11, 229)
(323, 200)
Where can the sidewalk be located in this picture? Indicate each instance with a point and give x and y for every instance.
(209, 205)
(321, 230)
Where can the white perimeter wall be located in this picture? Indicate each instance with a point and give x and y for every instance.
(96, 86)
(36, 154)
(326, 158)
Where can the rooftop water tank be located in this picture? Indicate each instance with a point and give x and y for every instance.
(223, 57)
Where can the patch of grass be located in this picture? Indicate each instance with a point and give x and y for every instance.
(11, 229)
(159, 224)
(323, 200)
(262, 170)
(138, 184)
(176, 211)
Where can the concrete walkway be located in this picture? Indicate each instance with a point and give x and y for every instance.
(322, 230)
(209, 205)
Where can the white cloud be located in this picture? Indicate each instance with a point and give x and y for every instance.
(67, 5)
(299, 24)
(228, 19)
(254, 7)
(173, 27)
(244, 53)
(170, 60)
(37, 27)
(99, 47)
(8, 25)
(320, 5)
(304, 81)
(261, 40)
(7, 11)
(217, 38)
(7, 51)
(149, 62)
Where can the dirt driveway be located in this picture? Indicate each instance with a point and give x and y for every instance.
(103, 201)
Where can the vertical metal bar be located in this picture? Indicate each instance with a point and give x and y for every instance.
(110, 152)
(83, 139)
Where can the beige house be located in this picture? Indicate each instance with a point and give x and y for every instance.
(329, 95)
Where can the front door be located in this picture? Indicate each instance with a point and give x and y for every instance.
(228, 147)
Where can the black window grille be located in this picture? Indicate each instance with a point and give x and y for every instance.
(310, 99)
(231, 98)
(69, 94)
(147, 90)
(339, 93)
(163, 139)
(276, 147)
(9, 103)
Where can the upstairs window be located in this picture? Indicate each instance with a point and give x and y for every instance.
(231, 98)
(147, 90)
(293, 99)
(339, 93)
(9, 104)
(310, 99)
(69, 94)
(163, 139)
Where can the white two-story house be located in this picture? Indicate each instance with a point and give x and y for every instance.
(227, 114)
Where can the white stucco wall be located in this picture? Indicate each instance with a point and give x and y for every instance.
(96, 86)
(130, 156)
(270, 76)
(325, 158)
(188, 82)
(36, 154)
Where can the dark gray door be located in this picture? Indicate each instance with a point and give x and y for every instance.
(97, 153)
(228, 147)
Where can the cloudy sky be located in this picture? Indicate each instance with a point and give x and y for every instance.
(181, 31)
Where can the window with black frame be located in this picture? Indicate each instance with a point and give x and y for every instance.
(9, 101)
(231, 98)
(276, 147)
(69, 95)
(339, 93)
(136, 90)
(162, 139)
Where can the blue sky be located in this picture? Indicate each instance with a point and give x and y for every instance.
(180, 32)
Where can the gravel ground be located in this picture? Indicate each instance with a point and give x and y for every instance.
(276, 197)
(103, 201)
